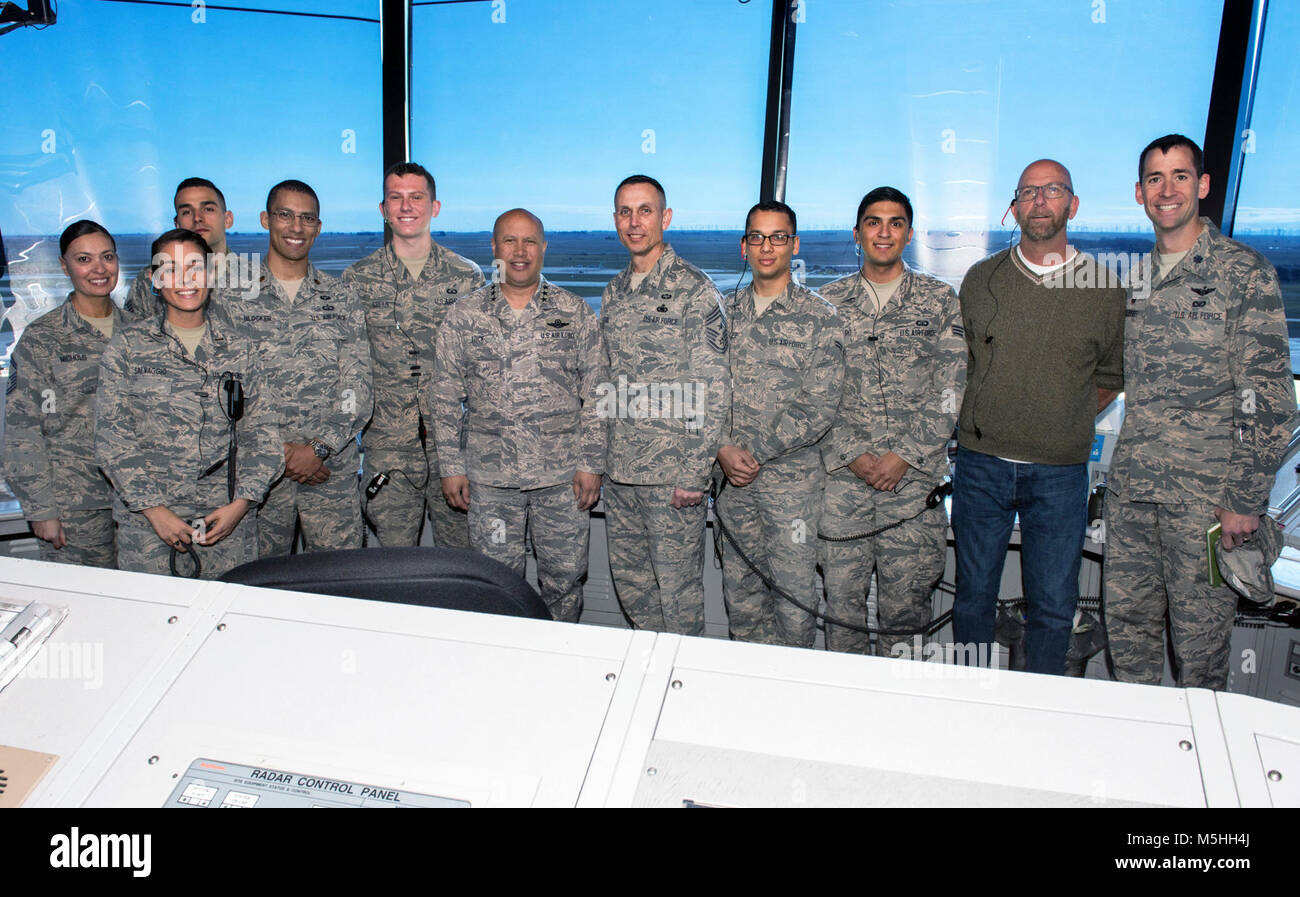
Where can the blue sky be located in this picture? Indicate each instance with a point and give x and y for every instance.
(552, 106)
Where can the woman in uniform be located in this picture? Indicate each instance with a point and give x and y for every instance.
(180, 428)
(50, 414)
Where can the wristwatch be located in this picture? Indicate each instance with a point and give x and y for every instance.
(321, 449)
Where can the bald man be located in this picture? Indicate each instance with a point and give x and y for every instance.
(523, 358)
(1044, 327)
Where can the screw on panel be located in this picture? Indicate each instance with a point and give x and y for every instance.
(1274, 775)
(153, 759)
(221, 627)
(1185, 745)
(172, 619)
(610, 677)
(651, 771)
(677, 683)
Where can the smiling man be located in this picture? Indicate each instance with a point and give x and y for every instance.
(665, 336)
(905, 361)
(1210, 408)
(201, 208)
(406, 288)
(1044, 333)
(310, 331)
(523, 358)
(786, 355)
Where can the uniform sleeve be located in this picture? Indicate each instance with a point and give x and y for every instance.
(591, 353)
(356, 400)
(27, 458)
(116, 426)
(140, 300)
(926, 423)
(261, 451)
(1264, 402)
(805, 420)
(447, 394)
(706, 328)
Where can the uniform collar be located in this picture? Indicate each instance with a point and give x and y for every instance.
(655, 274)
(73, 318)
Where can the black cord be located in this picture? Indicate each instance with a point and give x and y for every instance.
(723, 532)
(194, 555)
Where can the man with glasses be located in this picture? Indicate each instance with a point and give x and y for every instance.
(1044, 326)
(786, 354)
(406, 288)
(905, 368)
(200, 207)
(1210, 407)
(310, 332)
(665, 338)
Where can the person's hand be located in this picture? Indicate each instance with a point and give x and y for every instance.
(456, 491)
(685, 498)
(222, 522)
(1236, 528)
(171, 529)
(863, 466)
(738, 464)
(302, 466)
(586, 489)
(886, 472)
(50, 531)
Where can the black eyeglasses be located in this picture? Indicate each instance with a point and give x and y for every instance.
(754, 238)
(1049, 191)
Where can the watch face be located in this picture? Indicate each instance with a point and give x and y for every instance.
(321, 451)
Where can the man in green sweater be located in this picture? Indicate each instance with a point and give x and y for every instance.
(1044, 328)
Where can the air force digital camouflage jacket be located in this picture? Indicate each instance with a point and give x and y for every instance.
(905, 370)
(403, 315)
(529, 389)
(161, 431)
(49, 447)
(787, 369)
(314, 351)
(1210, 404)
(666, 351)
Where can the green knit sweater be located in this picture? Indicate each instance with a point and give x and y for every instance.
(1039, 349)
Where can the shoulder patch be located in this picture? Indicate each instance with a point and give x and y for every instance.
(715, 328)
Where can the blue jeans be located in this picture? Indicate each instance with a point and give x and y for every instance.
(1052, 501)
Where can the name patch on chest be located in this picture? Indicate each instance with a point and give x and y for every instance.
(660, 319)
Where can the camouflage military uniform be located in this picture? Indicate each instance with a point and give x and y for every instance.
(905, 372)
(670, 333)
(787, 370)
(141, 300)
(162, 435)
(529, 387)
(50, 434)
(402, 316)
(317, 361)
(1210, 407)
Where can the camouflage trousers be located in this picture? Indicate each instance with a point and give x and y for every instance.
(91, 540)
(141, 551)
(560, 533)
(774, 520)
(656, 557)
(1156, 568)
(330, 511)
(908, 560)
(398, 511)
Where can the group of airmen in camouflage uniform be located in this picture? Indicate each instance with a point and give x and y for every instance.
(505, 410)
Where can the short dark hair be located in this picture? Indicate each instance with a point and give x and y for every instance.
(293, 187)
(78, 229)
(884, 194)
(402, 169)
(642, 179)
(177, 235)
(1168, 142)
(200, 182)
(773, 205)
